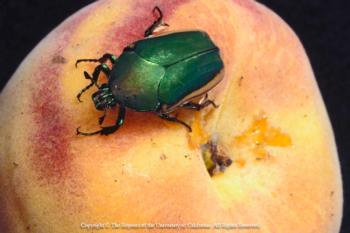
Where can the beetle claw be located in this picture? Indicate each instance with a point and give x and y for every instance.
(77, 131)
(214, 104)
(165, 24)
(78, 97)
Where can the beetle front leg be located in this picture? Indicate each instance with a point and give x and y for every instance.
(95, 75)
(109, 129)
(83, 90)
(157, 23)
(102, 118)
(87, 76)
(107, 56)
(174, 119)
(100, 68)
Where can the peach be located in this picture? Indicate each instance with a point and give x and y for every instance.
(271, 122)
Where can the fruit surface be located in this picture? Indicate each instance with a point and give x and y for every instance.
(271, 122)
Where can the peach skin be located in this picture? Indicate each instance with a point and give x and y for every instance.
(271, 122)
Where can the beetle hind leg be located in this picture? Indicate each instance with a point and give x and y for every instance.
(157, 23)
(174, 119)
(198, 106)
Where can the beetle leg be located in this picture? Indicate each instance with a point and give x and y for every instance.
(109, 129)
(83, 90)
(107, 56)
(196, 106)
(174, 119)
(100, 68)
(102, 118)
(158, 22)
(87, 76)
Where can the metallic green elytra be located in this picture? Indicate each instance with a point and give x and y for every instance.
(157, 74)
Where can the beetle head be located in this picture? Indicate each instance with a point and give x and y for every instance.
(103, 98)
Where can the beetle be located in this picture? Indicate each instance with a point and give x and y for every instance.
(156, 74)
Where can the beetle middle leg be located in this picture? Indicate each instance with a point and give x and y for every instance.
(157, 23)
(174, 119)
(107, 56)
(95, 75)
(110, 129)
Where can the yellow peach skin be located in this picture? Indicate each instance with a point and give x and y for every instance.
(271, 122)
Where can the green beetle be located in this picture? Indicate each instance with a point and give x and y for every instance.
(157, 74)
